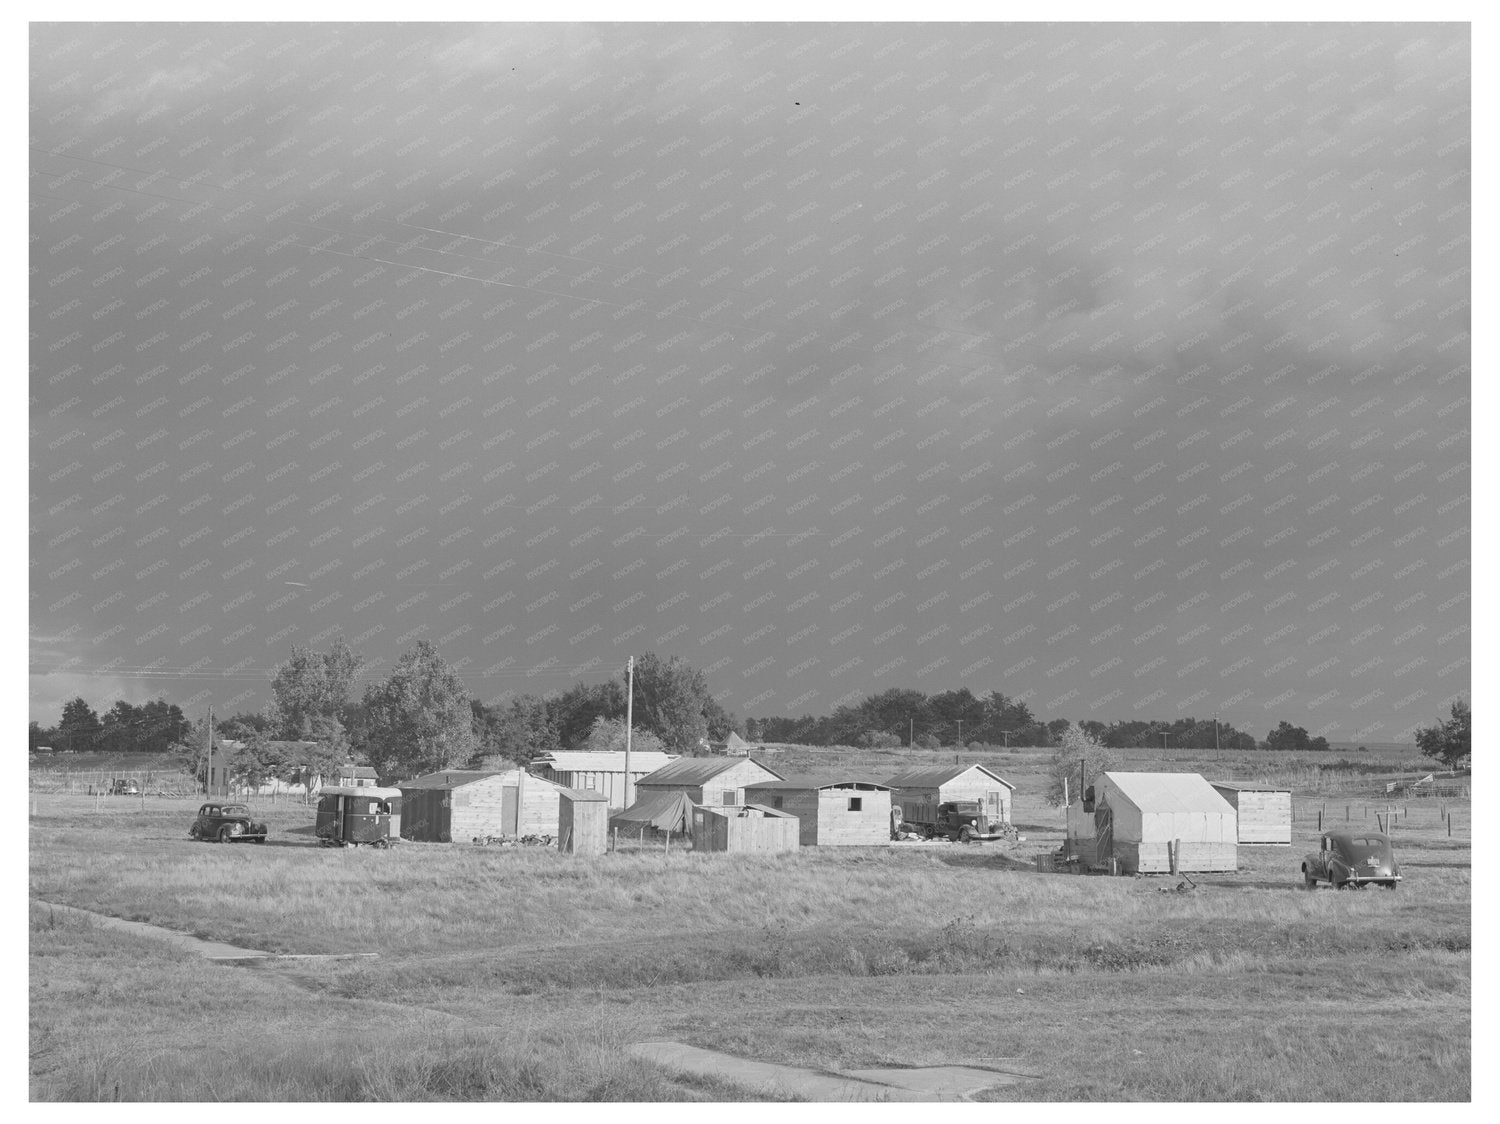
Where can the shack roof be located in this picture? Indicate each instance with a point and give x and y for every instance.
(696, 770)
(451, 778)
(1169, 792)
(1250, 786)
(584, 761)
(823, 780)
(938, 775)
(580, 794)
(732, 811)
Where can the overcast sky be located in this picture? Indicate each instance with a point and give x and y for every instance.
(1121, 368)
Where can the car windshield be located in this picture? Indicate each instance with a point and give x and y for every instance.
(236, 810)
(1361, 844)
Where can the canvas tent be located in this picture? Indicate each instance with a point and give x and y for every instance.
(1138, 816)
(666, 811)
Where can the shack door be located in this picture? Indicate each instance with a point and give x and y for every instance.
(1104, 834)
(510, 811)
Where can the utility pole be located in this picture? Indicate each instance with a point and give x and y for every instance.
(629, 705)
(910, 726)
(1006, 735)
(960, 733)
(1164, 741)
(1216, 732)
(208, 776)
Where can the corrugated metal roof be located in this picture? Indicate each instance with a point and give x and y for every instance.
(1169, 792)
(583, 761)
(696, 770)
(937, 775)
(814, 780)
(1248, 786)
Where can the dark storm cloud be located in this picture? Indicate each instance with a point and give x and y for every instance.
(1124, 368)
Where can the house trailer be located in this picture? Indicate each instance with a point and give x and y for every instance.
(1263, 813)
(1138, 817)
(918, 792)
(706, 780)
(602, 772)
(462, 805)
(744, 829)
(831, 811)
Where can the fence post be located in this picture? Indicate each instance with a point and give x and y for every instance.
(1346, 813)
(1175, 852)
(1450, 825)
(1320, 819)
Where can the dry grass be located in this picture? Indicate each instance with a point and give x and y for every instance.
(521, 974)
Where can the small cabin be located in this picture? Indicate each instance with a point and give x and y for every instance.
(603, 772)
(744, 829)
(832, 811)
(459, 806)
(1263, 813)
(707, 780)
(918, 792)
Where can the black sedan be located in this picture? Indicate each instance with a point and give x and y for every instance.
(1352, 859)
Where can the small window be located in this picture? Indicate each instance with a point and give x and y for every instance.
(727, 797)
(856, 803)
(776, 801)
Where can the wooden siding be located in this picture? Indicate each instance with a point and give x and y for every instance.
(741, 834)
(612, 784)
(424, 815)
(921, 803)
(479, 809)
(582, 826)
(1264, 816)
(732, 780)
(1154, 858)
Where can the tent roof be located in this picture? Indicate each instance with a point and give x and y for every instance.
(696, 770)
(584, 761)
(736, 743)
(1169, 792)
(825, 780)
(936, 775)
(669, 811)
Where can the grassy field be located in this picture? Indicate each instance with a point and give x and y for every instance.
(521, 974)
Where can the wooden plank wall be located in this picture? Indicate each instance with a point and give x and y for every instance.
(1265, 817)
(1155, 858)
(582, 826)
(839, 827)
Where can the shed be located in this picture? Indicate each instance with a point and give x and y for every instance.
(461, 805)
(1137, 816)
(707, 780)
(832, 811)
(353, 776)
(1263, 812)
(582, 821)
(744, 828)
(665, 811)
(602, 772)
(919, 791)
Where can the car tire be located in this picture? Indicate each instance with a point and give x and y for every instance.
(260, 838)
(966, 834)
(228, 832)
(1310, 880)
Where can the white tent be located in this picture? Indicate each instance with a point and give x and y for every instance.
(1138, 816)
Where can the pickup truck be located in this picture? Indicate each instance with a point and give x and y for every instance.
(962, 821)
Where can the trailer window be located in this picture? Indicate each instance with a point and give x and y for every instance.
(856, 803)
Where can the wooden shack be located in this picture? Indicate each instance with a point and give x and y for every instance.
(1138, 817)
(458, 806)
(919, 791)
(832, 811)
(602, 772)
(1263, 813)
(707, 780)
(744, 829)
(582, 821)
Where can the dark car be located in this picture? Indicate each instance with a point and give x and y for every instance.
(227, 823)
(1352, 859)
(125, 788)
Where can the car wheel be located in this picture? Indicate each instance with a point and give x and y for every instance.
(1310, 880)
(966, 835)
(382, 844)
(260, 838)
(228, 832)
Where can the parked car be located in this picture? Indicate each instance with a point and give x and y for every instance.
(125, 788)
(1352, 859)
(227, 823)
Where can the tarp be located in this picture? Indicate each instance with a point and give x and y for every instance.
(669, 811)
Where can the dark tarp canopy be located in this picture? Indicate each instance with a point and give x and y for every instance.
(667, 811)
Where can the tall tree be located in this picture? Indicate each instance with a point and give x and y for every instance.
(312, 684)
(419, 720)
(1077, 760)
(80, 727)
(573, 712)
(673, 701)
(1449, 741)
(608, 736)
(121, 728)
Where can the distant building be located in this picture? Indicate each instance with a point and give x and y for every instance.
(919, 791)
(602, 772)
(835, 810)
(356, 776)
(706, 780)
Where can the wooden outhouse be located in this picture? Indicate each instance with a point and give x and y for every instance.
(1263, 813)
(707, 780)
(602, 772)
(458, 806)
(832, 811)
(1139, 817)
(582, 821)
(920, 791)
(744, 828)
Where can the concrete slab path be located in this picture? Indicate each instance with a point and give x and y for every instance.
(931, 1083)
(209, 950)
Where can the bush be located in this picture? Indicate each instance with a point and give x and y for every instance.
(878, 739)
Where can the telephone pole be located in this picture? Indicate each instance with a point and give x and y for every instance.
(1216, 732)
(629, 705)
(208, 775)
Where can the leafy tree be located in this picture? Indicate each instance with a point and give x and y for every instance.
(38, 736)
(311, 685)
(1078, 760)
(1287, 738)
(419, 720)
(1448, 741)
(162, 723)
(607, 735)
(928, 741)
(573, 712)
(121, 728)
(80, 727)
(673, 701)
